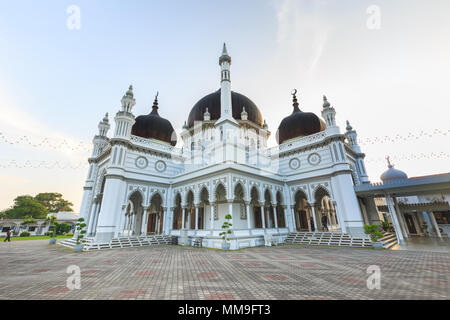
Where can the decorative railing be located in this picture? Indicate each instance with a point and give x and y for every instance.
(298, 143)
(148, 143)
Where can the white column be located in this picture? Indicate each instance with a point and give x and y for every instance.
(294, 226)
(340, 224)
(91, 218)
(435, 225)
(275, 212)
(313, 212)
(212, 215)
(285, 213)
(247, 209)
(183, 213)
(391, 208)
(165, 217)
(401, 218)
(189, 219)
(196, 217)
(230, 209)
(263, 213)
(144, 222)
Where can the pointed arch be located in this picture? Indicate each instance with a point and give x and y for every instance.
(319, 192)
(239, 192)
(220, 192)
(241, 185)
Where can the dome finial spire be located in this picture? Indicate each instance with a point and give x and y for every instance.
(389, 162)
(224, 51)
(294, 100)
(155, 104)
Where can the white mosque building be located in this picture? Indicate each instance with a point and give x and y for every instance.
(140, 184)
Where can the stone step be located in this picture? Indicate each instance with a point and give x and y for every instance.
(328, 238)
(120, 242)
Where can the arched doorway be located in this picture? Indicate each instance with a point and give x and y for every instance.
(177, 213)
(256, 208)
(134, 215)
(204, 201)
(280, 211)
(302, 214)
(325, 210)
(190, 212)
(268, 210)
(240, 222)
(155, 215)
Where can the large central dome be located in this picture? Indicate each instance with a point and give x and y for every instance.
(212, 102)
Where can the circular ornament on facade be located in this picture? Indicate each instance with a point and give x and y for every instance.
(160, 166)
(141, 162)
(314, 159)
(294, 163)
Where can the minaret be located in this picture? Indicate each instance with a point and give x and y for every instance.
(124, 118)
(352, 138)
(226, 109)
(101, 139)
(328, 113)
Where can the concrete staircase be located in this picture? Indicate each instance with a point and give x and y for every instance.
(389, 240)
(336, 239)
(121, 242)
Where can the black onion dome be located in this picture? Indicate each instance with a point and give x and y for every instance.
(299, 124)
(152, 126)
(212, 102)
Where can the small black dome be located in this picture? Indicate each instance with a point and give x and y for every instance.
(152, 126)
(212, 102)
(299, 124)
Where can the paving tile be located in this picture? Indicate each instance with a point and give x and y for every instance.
(37, 270)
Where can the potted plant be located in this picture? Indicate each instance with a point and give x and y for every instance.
(80, 235)
(375, 234)
(226, 231)
(52, 228)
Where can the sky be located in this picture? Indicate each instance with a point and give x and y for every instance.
(384, 66)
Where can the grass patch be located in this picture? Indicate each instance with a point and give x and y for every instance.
(36, 238)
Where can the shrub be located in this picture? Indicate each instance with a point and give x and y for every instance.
(372, 230)
(69, 234)
(25, 234)
(62, 228)
(81, 231)
(226, 228)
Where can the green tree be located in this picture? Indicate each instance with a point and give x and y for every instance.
(26, 206)
(54, 202)
(61, 228)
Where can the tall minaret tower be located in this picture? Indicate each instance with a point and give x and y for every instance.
(124, 118)
(352, 138)
(101, 139)
(226, 109)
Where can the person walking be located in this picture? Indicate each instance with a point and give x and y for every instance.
(325, 222)
(8, 236)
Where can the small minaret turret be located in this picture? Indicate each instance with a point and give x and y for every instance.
(328, 113)
(124, 118)
(101, 139)
(244, 114)
(226, 109)
(352, 138)
(206, 115)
